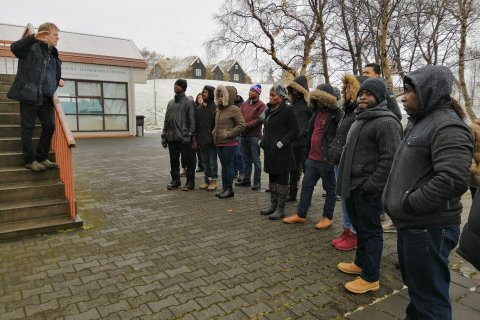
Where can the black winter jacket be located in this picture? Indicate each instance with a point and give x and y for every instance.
(299, 102)
(431, 167)
(336, 146)
(33, 58)
(321, 100)
(179, 124)
(470, 238)
(205, 120)
(279, 125)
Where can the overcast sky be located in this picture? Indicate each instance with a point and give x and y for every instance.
(173, 28)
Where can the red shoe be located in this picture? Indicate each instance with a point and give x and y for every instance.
(349, 243)
(345, 233)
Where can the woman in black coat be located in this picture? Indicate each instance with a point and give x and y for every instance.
(280, 129)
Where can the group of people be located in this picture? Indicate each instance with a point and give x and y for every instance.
(354, 142)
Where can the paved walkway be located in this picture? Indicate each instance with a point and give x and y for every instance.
(149, 253)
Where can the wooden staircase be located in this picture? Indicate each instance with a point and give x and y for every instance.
(30, 202)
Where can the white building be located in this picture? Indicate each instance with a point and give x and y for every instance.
(100, 75)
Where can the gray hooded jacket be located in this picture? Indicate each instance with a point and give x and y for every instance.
(431, 167)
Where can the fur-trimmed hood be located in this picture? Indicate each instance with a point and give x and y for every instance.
(300, 84)
(354, 82)
(211, 93)
(319, 98)
(229, 95)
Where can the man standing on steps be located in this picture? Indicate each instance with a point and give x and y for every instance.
(38, 76)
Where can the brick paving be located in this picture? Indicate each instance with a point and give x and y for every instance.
(149, 253)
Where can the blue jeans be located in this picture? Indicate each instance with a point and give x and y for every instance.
(423, 260)
(238, 165)
(251, 155)
(346, 219)
(314, 170)
(209, 162)
(364, 212)
(226, 156)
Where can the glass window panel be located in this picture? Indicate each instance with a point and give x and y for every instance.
(68, 90)
(69, 105)
(90, 123)
(115, 90)
(72, 122)
(116, 123)
(89, 106)
(90, 89)
(115, 106)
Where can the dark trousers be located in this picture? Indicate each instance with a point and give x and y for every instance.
(29, 113)
(238, 163)
(175, 149)
(364, 212)
(210, 164)
(251, 156)
(227, 156)
(281, 179)
(423, 260)
(300, 155)
(315, 170)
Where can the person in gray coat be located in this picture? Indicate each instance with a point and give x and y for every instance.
(430, 173)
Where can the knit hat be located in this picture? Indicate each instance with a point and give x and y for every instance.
(182, 83)
(377, 87)
(327, 88)
(338, 94)
(257, 88)
(280, 90)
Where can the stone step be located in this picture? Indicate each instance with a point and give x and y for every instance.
(14, 144)
(3, 97)
(9, 118)
(14, 131)
(33, 209)
(9, 107)
(7, 78)
(36, 226)
(38, 189)
(13, 174)
(4, 87)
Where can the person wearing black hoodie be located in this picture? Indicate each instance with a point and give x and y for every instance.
(362, 173)
(178, 130)
(298, 95)
(430, 173)
(205, 122)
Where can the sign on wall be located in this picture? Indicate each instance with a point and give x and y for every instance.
(71, 70)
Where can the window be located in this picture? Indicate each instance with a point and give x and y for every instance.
(198, 72)
(236, 77)
(95, 106)
(236, 67)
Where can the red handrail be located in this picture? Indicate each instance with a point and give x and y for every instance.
(62, 142)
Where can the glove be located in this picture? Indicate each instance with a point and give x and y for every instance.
(279, 145)
(186, 140)
(164, 143)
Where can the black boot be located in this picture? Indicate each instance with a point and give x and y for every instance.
(292, 195)
(175, 183)
(228, 193)
(217, 194)
(190, 184)
(282, 191)
(273, 200)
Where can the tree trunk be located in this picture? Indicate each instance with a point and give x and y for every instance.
(385, 63)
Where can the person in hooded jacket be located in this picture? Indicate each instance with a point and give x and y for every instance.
(298, 95)
(362, 173)
(348, 239)
(229, 124)
(321, 131)
(422, 196)
(280, 129)
(177, 134)
(470, 238)
(205, 122)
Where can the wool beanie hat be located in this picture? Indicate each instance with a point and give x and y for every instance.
(257, 88)
(182, 83)
(377, 87)
(280, 90)
(327, 88)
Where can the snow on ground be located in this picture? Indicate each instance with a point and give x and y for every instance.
(144, 101)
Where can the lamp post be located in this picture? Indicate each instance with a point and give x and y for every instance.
(154, 91)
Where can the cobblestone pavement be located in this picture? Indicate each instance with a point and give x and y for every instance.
(149, 253)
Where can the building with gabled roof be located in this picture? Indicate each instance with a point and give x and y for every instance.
(232, 71)
(190, 67)
(100, 73)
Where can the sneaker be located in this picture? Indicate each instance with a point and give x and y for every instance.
(35, 166)
(324, 223)
(349, 268)
(361, 286)
(49, 164)
(345, 234)
(389, 227)
(294, 219)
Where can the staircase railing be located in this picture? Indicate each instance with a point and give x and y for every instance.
(62, 144)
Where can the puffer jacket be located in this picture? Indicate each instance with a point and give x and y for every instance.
(229, 121)
(299, 102)
(321, 101)
(430, 171)
(179, 123)
(349, 105)
(34, 56)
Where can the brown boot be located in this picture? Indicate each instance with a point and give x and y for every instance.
(204, 186)
(324, 223)
(294, 219)
(361, 286)
(212, 186)
(349, 267)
